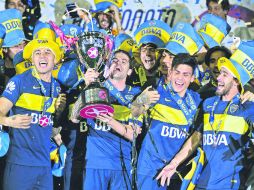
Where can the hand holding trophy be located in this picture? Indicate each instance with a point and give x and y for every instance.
(90, 48)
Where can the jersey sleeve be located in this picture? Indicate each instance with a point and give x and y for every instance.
(249, 112)
(13, 89)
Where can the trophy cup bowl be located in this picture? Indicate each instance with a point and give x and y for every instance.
(90, 49)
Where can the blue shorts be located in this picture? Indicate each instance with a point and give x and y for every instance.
(27, 177)
(101, 179)
(148, 183)
(75, 157)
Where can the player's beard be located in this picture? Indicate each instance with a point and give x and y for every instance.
(225, 90)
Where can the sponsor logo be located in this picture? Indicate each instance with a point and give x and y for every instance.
(36, 118)
(208, 107)
(167, 100)
(101, 126)
(10, 87)
(36, 87)
(173, 132)
(178, 37)
(210, 139)
(154, 31)
(14, 24)
(42, 41)
(248, 65)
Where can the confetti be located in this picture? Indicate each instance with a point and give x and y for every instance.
(197, 18)
(42, 4)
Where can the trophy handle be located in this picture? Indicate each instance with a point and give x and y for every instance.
(89, 16)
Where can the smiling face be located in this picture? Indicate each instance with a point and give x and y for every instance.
(181, 77)
(16, 4)
(120, 66)
(166, 62)
(216, 9)
(213, 63)
(225, 82)
(104, 21)
(12, 51)
(43, 60)
(147, 56)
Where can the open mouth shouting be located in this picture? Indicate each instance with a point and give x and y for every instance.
(43, 64)
(117, 69)
(220, 86)
(179, 84)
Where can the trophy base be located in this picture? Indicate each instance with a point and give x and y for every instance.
(93, 110)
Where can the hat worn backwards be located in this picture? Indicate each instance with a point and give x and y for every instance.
(43, 36)
(153, 31)
(11, 20)
(184, 39)
(213, 29)
(241, 63)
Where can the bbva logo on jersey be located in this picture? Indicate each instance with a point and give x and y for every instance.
(209, 139)
(173, 132)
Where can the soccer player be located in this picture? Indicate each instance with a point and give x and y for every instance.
(169, 124)
(108, 148)
(32, 99)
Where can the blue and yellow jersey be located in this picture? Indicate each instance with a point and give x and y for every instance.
(167, 132)
(105, 148)
(138, 78)
(31, 146)
(224, 142)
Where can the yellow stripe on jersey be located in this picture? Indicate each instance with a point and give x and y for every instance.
(34, 102)
(121, 113)
(233, 124)
(168, 115)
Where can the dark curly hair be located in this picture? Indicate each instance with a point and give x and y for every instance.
(223, 49)
(186, 59)
(224, 4)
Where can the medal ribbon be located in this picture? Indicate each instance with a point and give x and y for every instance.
(49, 101)
(188, 107)
(211, 118)
(118, 95)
